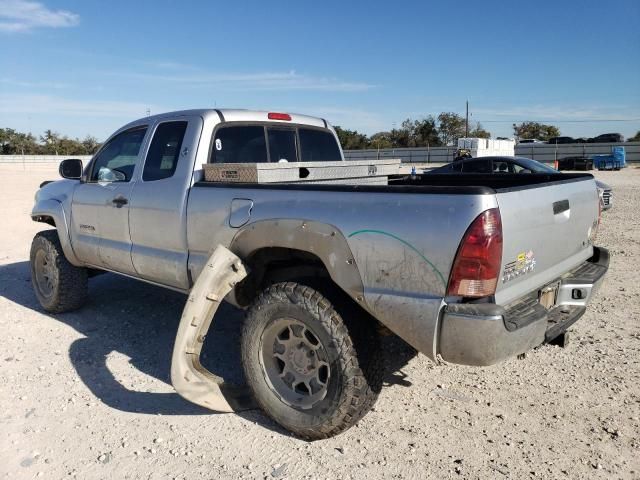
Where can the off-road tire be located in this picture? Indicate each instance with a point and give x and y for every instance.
(353, 352)
(70, 288)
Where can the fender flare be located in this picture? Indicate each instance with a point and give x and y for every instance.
(188, 376)
(51, 208)
(320, 239)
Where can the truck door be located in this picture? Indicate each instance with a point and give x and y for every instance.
(157, 216)
(100, 206)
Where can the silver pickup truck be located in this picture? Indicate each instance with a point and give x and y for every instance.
(468, 269)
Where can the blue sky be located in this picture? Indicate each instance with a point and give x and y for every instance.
(85, 67)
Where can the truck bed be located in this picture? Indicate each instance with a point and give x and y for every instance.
(466, 183)
(402, 238)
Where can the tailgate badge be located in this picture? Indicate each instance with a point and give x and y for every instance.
(525, 262)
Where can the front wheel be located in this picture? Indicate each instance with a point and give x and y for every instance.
(313, 371)
(59, 286)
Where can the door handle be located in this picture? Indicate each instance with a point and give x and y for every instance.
(119, 201)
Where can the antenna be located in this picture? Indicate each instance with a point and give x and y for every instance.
(148, 112)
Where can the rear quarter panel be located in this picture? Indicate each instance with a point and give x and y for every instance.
(403, 245)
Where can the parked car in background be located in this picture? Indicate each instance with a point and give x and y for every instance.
(607, 138)
(575, 163)
(529, 140)
(506, 165)
(561, 140)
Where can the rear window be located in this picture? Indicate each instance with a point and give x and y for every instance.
(318, 146)
(239, 144)
(249, 144)
(282, 145)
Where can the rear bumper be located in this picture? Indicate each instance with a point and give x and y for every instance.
(484, 334)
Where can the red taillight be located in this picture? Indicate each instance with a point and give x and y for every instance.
(279, 116)
(477, 263)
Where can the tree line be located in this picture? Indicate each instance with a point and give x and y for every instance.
(445, 129)
(50, 143)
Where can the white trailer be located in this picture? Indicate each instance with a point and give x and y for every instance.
(486, 147)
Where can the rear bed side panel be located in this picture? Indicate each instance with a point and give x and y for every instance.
(546, 232)
(403, 244)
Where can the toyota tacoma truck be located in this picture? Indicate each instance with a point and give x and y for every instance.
(468, 269)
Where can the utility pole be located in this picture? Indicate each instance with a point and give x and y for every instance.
(466, 123)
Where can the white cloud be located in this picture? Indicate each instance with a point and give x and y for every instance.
(29, 84)
(558, 113)
(46, 105)
(264, 81)
(23, 16)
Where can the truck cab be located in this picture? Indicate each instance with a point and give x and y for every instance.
(129, 210)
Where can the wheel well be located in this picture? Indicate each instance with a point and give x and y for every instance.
(276, 264)
(44, 219)
(271, 265)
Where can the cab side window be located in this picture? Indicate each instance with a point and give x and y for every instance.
(164, 151)
(117, 159)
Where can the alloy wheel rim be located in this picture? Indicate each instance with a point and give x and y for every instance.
(46, 272)
(295, 363)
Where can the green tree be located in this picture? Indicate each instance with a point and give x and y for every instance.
(68, 146)
(380, 140)
(535, 130)
(419, 133)
(50, 139)
(13, 143)
(7, 141)
(351, 139)
(479, 132)
(399, 137)
(451, 127)
(426, 132)
(51, 143)
(90, 145)
(635, 138)
(25, 143)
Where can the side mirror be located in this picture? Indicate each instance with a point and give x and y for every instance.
(71, 168)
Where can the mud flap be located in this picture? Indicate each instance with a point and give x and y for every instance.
(190, 379)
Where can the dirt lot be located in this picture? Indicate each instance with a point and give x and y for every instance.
(87, 394)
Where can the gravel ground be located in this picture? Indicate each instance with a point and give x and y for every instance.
(87, 394)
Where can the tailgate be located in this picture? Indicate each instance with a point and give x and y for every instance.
(547, 230)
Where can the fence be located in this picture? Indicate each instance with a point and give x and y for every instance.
(44, 159)
(407, 155)
(542, 152)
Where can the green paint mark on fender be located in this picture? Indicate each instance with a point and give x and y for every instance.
(407, 244)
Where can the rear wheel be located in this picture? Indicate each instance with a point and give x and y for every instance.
(58, 285)
(313, 371)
